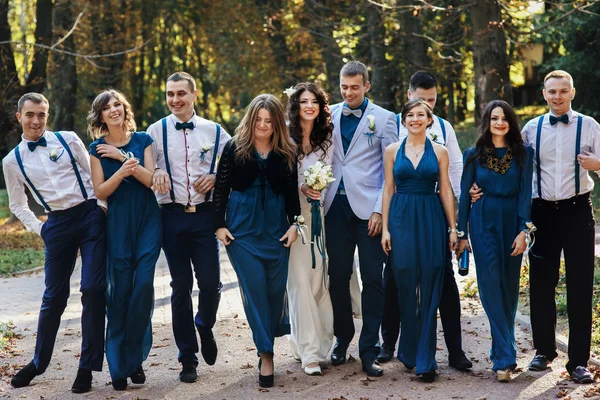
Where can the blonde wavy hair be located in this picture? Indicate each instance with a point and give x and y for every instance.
(244, 134)
(96, 127)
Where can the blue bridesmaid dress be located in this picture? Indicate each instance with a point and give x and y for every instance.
(133, 239)
(417, 225)
(257, 219)
(495, 220)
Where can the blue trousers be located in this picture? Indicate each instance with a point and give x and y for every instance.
(449, 310)
(344, 231)
(65, 232)
(189, 239)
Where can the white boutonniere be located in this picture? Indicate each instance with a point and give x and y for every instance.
(372, 127)
(205, 149)
(371, 119)
(54, 156)
(434, 138)
(289, 91)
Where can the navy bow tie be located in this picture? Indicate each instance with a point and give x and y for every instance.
(554, 120)
(40, 142)
(348, 111)
(186, 125)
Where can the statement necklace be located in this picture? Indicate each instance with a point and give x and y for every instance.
(501, 165)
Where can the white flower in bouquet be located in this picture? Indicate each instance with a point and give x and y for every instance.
(318, 176)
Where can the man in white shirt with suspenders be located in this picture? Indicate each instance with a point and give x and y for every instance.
(423, 86)
(55, 166)
(186, 148)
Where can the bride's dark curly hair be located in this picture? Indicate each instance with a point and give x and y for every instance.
(320, 137)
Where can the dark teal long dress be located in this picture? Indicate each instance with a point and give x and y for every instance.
(133, 239)
(257, 220)
(418, 232)
(495, 220)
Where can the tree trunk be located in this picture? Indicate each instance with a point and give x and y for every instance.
(381, 77)
(414, 48)
(322, 32)
(490, 59)
(36, 80)
(63, 78)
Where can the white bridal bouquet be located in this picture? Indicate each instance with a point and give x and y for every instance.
(318, 176)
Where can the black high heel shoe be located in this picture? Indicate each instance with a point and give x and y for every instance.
(138, 376)
(265, 381)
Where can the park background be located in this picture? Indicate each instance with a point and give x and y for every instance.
(480, 50)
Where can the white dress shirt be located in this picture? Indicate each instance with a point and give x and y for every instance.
(54, 180)
(557, 155)
(185, 148)
(455, 167)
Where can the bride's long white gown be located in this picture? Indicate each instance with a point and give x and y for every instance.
(311, 314)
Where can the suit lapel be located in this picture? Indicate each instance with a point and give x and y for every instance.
(362, 125)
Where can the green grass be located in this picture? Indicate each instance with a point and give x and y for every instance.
(4, 211)
(15, 260)
(6, 334)
(19, 249)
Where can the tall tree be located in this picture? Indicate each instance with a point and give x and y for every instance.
(36, 80)
(382, 78)
(490, 56)
(63, 73)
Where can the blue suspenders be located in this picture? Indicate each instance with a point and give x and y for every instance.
(439, 119)
(166, 153)
(73, 162)
(443, 128)
(537, 155)
(214, 160)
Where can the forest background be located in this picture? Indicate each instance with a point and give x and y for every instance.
(480, 50)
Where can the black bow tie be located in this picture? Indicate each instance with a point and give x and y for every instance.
(186, 125)
(554, 120)
(40, 142)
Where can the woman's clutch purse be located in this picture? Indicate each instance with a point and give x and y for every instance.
(463, 263)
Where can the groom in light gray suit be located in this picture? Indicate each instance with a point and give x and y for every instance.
(362, 131)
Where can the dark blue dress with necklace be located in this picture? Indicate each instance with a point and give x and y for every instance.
(133, 239)
(495, 220)
(417, 227)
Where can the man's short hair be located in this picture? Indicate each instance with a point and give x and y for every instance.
(183, 76)
(422, 80)
(36, 98)
(559, 74)
(354, 68)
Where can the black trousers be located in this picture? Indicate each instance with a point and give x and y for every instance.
(566, 225)
(449, 310)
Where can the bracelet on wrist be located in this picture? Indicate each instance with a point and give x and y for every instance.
(458, 233)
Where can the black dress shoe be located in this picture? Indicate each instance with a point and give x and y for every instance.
(372, 368)
(428, 377)
(188, 373)
(138, 377)
(208, 347)
(460, 362)
(24, 376)
(83, 381)
(338, 354)
(539, 363)
(582, 375)
(385, 354)
(120, 384)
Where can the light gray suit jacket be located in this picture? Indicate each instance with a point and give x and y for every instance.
(362, 165)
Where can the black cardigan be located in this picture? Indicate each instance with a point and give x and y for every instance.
(239, 176)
